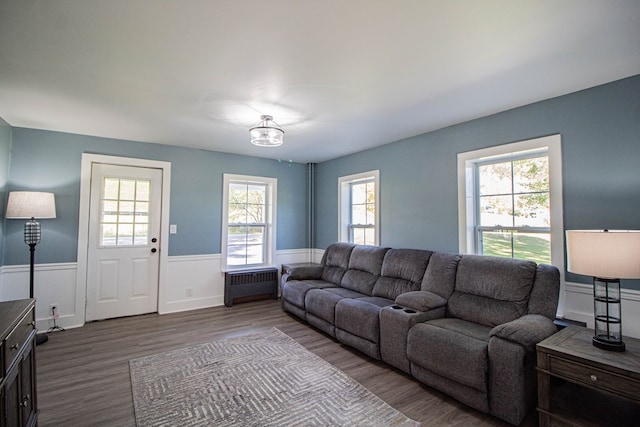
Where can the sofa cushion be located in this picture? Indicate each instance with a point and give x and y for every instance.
(367, 258)
(408, 264)
(491, 290)
(322, 302)
(389, 287)
(452, 348)
(365, 264)
(544, 295)
(359, 281)
(440, 276)
(336, 261)
(294, 291)
(337, 255)
(402, 271)
(360, 318)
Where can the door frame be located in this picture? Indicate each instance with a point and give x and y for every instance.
(88, 160)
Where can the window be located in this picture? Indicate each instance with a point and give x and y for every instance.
(358, 208)
(510, 201)
(248, 235)
(512, 208)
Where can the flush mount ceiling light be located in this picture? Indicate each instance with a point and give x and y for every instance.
(266, 133)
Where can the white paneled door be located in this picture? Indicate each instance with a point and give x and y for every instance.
(124, 241)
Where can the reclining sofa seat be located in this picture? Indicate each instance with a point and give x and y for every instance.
(296, 284)
(357, 282)
(357, 320)
(482, 352)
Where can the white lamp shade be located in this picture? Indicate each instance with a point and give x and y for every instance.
(31, 204)
(613, 254)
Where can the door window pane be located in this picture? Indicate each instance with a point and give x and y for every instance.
(125, 212)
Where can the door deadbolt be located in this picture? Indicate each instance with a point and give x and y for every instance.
(154, 240)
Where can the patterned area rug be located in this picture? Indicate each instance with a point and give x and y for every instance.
(265, 379)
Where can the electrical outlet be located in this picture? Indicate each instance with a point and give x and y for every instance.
(189, 292)
(53, 309)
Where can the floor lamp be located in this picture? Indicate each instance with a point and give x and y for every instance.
(31, 205)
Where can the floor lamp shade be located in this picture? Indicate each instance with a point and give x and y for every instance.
(31, 204)
(608, 256)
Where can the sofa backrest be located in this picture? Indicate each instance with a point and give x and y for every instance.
(365, 265)
(402, 271)
(440, 276)
(545, 292)
(490, 290)
(336, 261)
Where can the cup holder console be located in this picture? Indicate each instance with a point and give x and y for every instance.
(406, 310)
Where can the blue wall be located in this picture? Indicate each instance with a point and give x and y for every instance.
(600, 130)
(51, 161)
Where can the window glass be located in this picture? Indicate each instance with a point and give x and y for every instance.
(358, 207)
(248, 221)
(514, 218)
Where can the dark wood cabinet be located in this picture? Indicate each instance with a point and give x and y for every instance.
(18, 406)
(582, 385)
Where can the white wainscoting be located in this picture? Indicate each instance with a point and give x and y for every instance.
(316, 255)
(193, 282)
(53, 284)
(579, 306)
(201, 277)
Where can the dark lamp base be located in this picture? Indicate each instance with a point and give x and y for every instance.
(608, 345)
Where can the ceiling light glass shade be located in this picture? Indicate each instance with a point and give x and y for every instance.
(30, 204)
(266, 133)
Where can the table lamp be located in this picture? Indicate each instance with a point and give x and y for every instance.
(608, 256)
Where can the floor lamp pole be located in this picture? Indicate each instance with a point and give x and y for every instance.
(32, 249)
(40, 338)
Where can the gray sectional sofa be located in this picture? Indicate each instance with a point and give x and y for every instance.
(466, 325)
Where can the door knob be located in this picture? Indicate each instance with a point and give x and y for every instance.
(153, 250)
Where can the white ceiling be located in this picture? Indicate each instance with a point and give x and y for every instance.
(339, 76)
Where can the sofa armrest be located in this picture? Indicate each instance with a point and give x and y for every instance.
(421, 300)
(304, 271)
(527, 330)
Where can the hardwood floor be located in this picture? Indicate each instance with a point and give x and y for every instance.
(83, 373)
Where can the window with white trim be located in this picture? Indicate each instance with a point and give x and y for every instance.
(249, 212)
(358, 207)
(510, 201)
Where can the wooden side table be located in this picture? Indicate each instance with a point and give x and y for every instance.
(579, 384)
